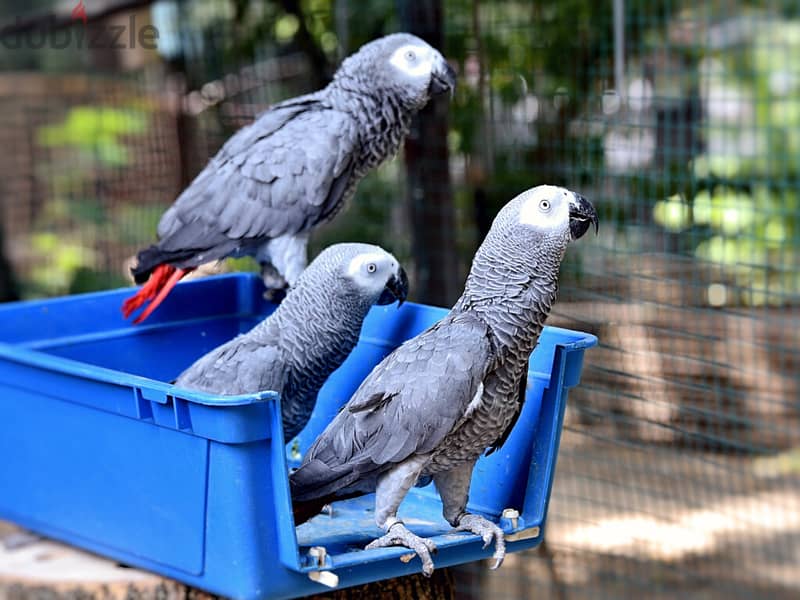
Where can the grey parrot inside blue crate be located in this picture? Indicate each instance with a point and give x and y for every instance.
(194, 486)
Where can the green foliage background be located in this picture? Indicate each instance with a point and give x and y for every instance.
(530, 108)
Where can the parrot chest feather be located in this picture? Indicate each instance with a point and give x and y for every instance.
(306, 377)
(312, 352)
(383, 135)
(516, 327)
(380, 138)
(485, 420)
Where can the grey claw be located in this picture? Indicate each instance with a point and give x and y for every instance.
(398, 535)
(427, 567)
(275, 294)
(488, 531)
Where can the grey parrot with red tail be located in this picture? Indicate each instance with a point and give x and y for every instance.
(293, 169)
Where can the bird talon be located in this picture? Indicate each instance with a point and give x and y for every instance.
(497, 563)
(487, 531)
(375, 544)
(399, 535)
(275, 294)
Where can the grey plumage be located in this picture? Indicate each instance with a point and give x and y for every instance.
(438, 401)
(308, 336)
(298, 163)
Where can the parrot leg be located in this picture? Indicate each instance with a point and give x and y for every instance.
(282, 261)
(391, 489)
(289, 255)
(453, 487)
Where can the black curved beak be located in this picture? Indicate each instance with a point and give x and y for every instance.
(396, 289)
(581, 216)
(443, 80)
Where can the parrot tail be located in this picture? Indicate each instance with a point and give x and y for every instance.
(158, 285)
(306, 509)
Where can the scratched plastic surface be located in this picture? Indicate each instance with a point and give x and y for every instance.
(101, 452)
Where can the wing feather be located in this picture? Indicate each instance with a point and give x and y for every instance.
(238, 367)
(406, 406)
(263, 183)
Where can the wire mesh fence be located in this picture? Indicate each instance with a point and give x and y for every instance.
(679, 470)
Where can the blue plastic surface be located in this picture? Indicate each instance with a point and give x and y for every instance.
(100, 452)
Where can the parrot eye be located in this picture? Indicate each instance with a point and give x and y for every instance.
(371, 268)
(544, 205)
(411, 56)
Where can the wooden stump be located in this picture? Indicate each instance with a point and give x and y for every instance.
(41, 569)
(438, 586)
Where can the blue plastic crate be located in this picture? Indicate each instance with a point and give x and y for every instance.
(97, 450)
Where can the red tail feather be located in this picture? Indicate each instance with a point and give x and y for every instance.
(161, 281)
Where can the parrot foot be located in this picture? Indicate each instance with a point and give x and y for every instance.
(487, 530)
(275, 283)
(398, 535)
(275, 295)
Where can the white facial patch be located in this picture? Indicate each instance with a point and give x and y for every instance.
(414, 60)
(546, 206)
(371, 281)
(356, 266)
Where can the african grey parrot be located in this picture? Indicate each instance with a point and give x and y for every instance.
(438, 401)
(308, 336)
(293, 169)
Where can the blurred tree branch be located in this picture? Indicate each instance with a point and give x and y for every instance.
(430, 194)
(322, 67)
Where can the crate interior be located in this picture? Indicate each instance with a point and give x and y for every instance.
(159, 353)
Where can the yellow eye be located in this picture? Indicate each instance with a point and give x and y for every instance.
(544, 205)
(371, 268)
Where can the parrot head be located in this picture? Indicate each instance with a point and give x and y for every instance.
(359, 274)
(377, 275)
(554, 212)
(534, 229)
(351, 276)
(403, 66)
(525, 246)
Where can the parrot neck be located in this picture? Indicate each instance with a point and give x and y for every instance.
(318, 331)
(323, 317)
(383, 121)
(512, 298)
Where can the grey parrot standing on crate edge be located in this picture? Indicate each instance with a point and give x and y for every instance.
(292, 169)
(436, 403)
(310, 334)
